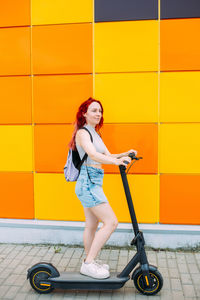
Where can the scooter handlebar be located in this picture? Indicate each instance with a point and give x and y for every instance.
(132, 156)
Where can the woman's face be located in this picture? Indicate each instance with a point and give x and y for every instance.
(93, 114)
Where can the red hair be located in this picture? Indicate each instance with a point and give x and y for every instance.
(80, 120)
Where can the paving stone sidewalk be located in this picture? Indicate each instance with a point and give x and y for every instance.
(180, 270)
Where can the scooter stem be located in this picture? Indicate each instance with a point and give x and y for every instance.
(129, 199)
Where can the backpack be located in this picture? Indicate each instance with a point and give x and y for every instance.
(74, 163)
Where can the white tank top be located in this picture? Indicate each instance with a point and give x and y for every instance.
(97, 142)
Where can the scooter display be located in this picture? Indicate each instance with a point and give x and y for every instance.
(44, 277)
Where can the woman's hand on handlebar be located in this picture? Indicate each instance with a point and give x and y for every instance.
(120, 161)
(131, 151)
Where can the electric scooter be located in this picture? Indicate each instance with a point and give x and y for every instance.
(44, 277)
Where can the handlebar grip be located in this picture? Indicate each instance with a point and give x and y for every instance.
(132, 155)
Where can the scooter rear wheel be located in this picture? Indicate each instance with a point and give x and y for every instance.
(141, 287)
(37, 276)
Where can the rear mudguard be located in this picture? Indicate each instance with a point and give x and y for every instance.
(54, 272)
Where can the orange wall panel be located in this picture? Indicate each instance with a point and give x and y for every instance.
(15, 51)
(16, 195)
(180, 44)
(15, 13)
(179, 199)
(15, 104)
(51, 147)
(119, 138)
(59, 49)
(57, 97)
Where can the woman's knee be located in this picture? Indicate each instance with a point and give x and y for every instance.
(115, 223)
(91, 221)
(105, 213)
(112, 223)
(92, 226)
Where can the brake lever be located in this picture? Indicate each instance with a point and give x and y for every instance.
(132, 156)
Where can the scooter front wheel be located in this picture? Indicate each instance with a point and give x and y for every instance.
(156, 279)
(37, 276)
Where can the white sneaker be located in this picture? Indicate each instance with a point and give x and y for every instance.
(94, 270)
(105, 266)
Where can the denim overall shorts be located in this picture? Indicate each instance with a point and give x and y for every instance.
(89, 190)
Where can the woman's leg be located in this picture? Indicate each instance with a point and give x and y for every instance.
(91, 224)
(104, 213)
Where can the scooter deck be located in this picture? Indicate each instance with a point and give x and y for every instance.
(72, 280)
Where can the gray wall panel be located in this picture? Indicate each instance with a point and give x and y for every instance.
(124, 10)
(172, 9)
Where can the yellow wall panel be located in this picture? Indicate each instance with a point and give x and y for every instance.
(55, 199)
(135, 96)
(179, 97)
(180, 148)
(126, 46)
(61, 11)
(16, 148)
(144, 191)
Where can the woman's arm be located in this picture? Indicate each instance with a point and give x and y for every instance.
(88, 147)
(115, 155)
(120, 154)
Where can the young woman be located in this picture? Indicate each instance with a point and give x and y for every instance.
(89, 185)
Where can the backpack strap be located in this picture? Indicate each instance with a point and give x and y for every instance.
(88, 132)
(86, 155)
